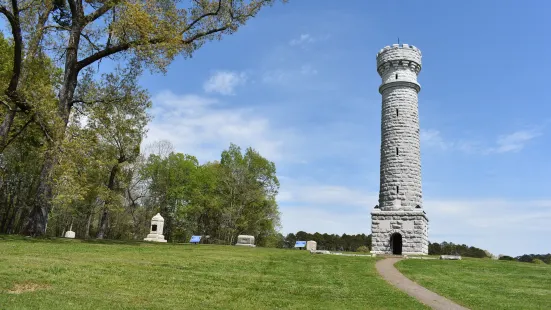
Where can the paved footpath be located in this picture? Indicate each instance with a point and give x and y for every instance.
(387, 270)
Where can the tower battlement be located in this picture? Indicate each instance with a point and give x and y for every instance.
(402, 55)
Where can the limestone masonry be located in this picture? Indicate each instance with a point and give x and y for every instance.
(399, 224)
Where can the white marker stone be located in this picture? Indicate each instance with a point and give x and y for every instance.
(311, 245)
(70, 233)
(156, 233)
(245, 240)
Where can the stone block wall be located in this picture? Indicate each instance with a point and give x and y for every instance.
(412, 226)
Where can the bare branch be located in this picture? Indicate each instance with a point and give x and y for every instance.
(203, 16)
(85, 36)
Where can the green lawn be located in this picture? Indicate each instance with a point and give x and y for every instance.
(71, 274)
(484, 284)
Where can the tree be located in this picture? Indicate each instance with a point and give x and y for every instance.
(170, 185)
(116, 115)
(248, 188)
(82, 33)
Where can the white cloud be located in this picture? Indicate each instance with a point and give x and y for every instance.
(305, 39)
(288, 76)
(326, 195)
(498, 225)
(302, 39)
(203, 127)
(432, 137)
(513, 142)
(224, 82)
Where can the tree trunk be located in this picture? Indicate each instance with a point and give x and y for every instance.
(38, 218)
(103, 224)
(88, 223)
(5, 127)
(105, 214)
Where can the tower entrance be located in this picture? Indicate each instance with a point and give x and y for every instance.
(396, 243)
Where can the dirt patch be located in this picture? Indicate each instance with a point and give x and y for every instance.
(20, 288)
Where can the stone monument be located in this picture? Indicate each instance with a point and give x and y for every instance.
(399, 225)
(156, 233)
(70, 233)
(245, 240)
(311, 245)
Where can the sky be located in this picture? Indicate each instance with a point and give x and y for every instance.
(299, 84)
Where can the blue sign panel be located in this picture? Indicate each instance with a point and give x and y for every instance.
(300, 244)
(195, 239)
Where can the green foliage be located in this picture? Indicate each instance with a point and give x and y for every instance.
(38, 99)
(505, 257)
(348, 243)
(220, 199)
(450, 248)
(537, 261)
(362, 248)
(528, 258)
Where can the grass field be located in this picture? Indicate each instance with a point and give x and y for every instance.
(484, 284)
(71, 274)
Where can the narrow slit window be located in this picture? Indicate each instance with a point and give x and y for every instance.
(397, 153)
(396, 112)
(396, 75)
(397, 190)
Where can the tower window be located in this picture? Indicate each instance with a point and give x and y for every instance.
(396, 75)
(396, 112)
(397, 189)
(397, 153)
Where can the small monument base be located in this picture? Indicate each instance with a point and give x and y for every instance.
(249, 245)
(155, 238)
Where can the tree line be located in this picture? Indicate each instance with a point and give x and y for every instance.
(450, 248)
(529, 258)
(330, 242)
(71, 129)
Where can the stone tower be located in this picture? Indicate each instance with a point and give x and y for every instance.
(398, 224)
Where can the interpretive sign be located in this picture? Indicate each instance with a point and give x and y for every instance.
(195, 239)
(300, 244)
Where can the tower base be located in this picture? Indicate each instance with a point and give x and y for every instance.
(399, 232)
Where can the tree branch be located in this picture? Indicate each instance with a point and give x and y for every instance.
(203, 16)
(13, 18)
(100, 12)
(110, 50)
(17, 134)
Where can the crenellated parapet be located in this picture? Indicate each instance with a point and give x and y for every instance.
(399, 56)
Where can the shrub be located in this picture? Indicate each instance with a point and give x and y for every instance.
(362, 248)
(505, 257)
(537, 261)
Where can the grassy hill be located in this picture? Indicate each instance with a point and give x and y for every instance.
(72, 274)
(484, 283)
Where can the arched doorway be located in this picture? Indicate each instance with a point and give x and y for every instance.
(396, 243)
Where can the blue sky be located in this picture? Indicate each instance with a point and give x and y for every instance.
(299, 84)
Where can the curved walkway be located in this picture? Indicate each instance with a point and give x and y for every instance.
(387, 270)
